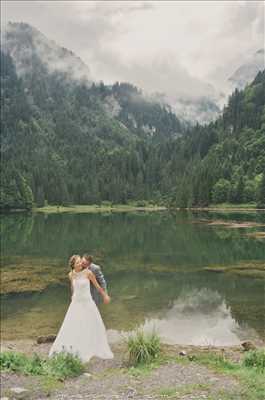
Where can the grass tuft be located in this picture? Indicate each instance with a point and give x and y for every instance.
(255, 359)
(143, 348)
(183, 390)
(167, 392)
(250, 373)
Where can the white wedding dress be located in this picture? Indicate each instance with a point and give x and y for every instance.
(83, 332)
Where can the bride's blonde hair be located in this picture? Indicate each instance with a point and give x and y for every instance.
(72, 260)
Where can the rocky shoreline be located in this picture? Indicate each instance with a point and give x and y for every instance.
(42, 344)
(114, 379)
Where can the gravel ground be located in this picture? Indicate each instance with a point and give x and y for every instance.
(110, 379)
(182, 378)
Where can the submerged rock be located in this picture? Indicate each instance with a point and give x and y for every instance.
(248, 345)
(46, 339)
(182, 353)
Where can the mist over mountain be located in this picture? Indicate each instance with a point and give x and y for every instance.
(204, 109)
(38, 59)
(27, 45)
(32, 52)
(200, 110)
(247, 71)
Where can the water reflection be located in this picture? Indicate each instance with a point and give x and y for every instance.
(154, 266)
(199, 318)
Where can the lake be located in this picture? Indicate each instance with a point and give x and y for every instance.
(156, 267)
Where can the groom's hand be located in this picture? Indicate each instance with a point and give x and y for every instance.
(106, 299)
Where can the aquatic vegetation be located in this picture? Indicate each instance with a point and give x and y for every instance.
(256, 235)
(24, 274)
(253, 269)
(235, 224)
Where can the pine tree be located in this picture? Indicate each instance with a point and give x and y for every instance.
(261, 192)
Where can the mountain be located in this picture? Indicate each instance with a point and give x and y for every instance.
(223, 161)
(206, 109)
(66, 140)
(247, 72)
(29, 48)
(69, 140)
(193, 109)
(34, 54)
(42, 64)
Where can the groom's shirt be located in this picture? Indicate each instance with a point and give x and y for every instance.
(101, 281)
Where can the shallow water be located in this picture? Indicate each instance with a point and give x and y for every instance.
(154, 264)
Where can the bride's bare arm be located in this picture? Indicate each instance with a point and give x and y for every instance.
(71, 283)
(93, 279)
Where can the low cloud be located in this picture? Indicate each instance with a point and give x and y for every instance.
(169, 47)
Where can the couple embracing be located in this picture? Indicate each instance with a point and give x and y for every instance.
(83, 332)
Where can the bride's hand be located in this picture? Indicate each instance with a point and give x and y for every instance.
(106, 299)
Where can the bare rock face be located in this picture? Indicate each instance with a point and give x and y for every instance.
(46, 339)
(248, 346)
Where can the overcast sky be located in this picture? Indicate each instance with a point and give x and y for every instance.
(151, 43)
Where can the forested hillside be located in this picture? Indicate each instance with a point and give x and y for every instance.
(67, 141)
(224, 161)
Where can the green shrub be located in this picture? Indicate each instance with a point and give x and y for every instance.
(106, 203)
(151, 202)
(17, 362)
(141, 203)
(255, 359)
(221, 191)
(64, 365)
(143, 348)
(34, 366)
(60, 366)
(12, 361)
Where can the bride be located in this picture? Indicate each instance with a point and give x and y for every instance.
(83, 332)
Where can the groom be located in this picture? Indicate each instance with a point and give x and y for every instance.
(87, 262)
